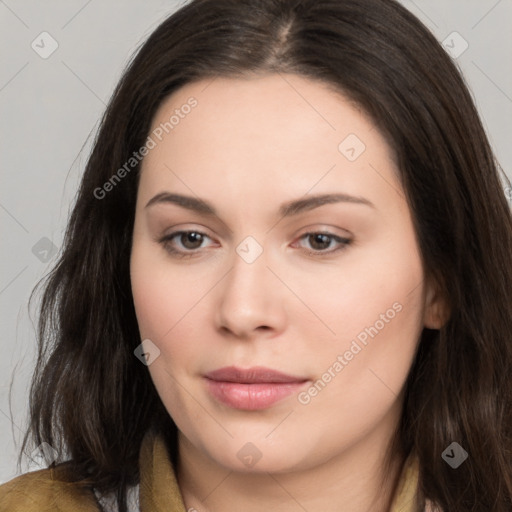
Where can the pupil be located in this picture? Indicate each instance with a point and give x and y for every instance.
(191, 240)
(319, 241)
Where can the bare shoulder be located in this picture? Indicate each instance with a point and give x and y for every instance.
(42, 491)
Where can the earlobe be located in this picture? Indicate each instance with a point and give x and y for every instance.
(437, 310)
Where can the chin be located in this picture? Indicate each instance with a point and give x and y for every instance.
(244, 456)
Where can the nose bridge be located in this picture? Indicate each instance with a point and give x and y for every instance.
(248, 298)
(248, 278)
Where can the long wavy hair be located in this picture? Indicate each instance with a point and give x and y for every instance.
(93, 400)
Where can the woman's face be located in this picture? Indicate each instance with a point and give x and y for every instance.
(299, 256)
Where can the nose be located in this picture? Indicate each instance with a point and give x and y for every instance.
(251, 300)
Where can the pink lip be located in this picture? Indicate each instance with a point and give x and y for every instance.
(253, 388)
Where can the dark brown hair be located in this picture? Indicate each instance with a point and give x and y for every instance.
(93, 400)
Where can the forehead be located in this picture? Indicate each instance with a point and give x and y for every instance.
(288, 106)
(263, 134)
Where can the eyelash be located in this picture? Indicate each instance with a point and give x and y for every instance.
(167, 240)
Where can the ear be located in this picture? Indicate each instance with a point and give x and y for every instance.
(437, 309)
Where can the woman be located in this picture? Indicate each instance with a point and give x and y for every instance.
(286, 281)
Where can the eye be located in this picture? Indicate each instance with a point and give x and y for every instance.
(184, 243)
(188, 243)
(323, 243)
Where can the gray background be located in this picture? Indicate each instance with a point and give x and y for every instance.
(49, 107)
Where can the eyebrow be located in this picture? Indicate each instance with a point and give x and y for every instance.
(287, 209)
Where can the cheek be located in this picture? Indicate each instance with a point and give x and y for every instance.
(161, 295)
(152, 302)
(379, 321)
(170, 310)
(365, 283)
(164, 308)
(374, 305)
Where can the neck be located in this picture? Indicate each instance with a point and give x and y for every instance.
(355, 480)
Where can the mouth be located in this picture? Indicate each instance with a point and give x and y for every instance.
(251, 389)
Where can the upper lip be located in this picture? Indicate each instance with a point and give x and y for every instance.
(254, 375)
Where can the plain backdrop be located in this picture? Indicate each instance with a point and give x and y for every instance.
(50, 106)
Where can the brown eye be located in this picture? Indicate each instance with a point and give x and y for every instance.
(319, 241)
(185, 243)
(191, 239)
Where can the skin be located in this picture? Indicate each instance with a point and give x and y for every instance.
(250, 145)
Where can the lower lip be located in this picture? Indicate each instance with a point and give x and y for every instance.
(251, 397)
